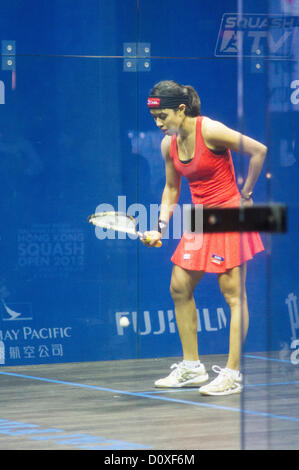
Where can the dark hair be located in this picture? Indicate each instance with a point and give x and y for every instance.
(171, 88)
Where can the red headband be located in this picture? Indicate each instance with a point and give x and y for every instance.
(153, 102)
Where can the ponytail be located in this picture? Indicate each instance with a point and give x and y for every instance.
(193, 108)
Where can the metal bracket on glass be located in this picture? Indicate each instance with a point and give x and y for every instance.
(137, 56)
(8, 52)
(258, 61)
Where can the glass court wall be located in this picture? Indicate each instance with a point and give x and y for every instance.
(269, 73)
(76, 137)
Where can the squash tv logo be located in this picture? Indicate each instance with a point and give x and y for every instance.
(255, 35)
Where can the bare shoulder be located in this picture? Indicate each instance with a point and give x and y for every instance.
(218, 136)
(165, 146)
(212, 128)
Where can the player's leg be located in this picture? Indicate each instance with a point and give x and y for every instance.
(232, 286)
(190, 372)
(182, 288)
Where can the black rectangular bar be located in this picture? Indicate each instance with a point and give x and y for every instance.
(258, 218)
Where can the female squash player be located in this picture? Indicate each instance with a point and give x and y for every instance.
(199, 149)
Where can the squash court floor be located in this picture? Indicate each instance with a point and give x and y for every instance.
(113, 405)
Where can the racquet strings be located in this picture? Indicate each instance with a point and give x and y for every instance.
(114, 221)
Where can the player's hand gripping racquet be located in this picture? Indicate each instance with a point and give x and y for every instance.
(120, 222)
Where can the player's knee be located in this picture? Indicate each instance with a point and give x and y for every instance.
(179, 291)
(232, 290)
(234, 298)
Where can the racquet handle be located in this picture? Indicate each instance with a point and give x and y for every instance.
(158, 244)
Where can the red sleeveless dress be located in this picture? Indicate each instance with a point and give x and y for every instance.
(212, 183)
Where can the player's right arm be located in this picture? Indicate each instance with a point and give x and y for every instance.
(170, 194)
(172, 187)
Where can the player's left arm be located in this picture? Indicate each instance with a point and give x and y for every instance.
(219, 137)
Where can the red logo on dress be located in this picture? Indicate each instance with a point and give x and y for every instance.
(153, 102)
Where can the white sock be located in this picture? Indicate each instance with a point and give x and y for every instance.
(233, 372)
(191, 364)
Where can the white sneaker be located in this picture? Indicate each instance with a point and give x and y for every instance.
(182, 376)
(226, 383)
